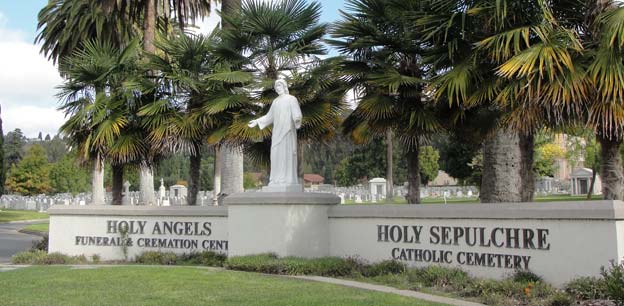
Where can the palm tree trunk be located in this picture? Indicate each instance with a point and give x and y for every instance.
(300, 161)
(229, 7)
(149, 26)
(217, 177)
(117, 184)
(413, 175)
(147, 195)
(501, 180)
(389, 164)
(97, 182)
(611, 168)
(527, 146)
(232, 159)
(194, 169)
(231, 170)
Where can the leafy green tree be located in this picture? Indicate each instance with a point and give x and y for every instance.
(367, 161)
(56, 148)
(2, 163)
(14, 147)
(67, 176)
(429, 166)
(31, 175)
(545, 157)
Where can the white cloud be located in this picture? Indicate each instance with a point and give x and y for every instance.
(32, 119)
(27, 85)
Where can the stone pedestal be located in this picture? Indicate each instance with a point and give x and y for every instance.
(284, 223)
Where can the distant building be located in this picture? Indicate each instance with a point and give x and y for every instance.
(312, 179)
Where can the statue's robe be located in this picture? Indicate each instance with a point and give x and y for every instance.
(285, 115)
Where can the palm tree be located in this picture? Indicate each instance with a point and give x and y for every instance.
(469, 42)
(385, 64)
(190, 76)
(582, 78)
(64, 27)
(96, 104)
(269, 39)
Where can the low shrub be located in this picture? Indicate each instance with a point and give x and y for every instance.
(614, 281)
(560, 299)
(206, 258)
(156, 258)
(271, 264)
(384, 268)
(61, 259)
(262, 263)
(523, 276)
(38, 257)
(28, 257)
(441, 277)
(587, 288)
(95, 258)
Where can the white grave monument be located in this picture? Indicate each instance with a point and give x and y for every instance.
(378, 187)
(125, 200)
(162, 190)
(178, 191)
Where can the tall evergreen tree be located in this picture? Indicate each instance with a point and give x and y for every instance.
(2, 168)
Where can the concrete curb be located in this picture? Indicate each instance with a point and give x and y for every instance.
(34, 233)
(385, 289)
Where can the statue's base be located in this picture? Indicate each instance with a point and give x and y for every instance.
(285, 188)
(284, 223)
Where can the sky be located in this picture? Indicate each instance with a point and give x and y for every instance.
(28, 80)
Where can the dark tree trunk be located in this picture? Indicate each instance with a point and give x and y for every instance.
(300, 165)
(611, 168)
(413, 175)
(117, 184)
(501, 179)
(527, 175)
(591, 185)
(195, 166)
(389, 164)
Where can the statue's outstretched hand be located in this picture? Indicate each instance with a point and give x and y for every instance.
(252, 123)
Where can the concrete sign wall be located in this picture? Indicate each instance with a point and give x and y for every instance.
(116, 233)
(558, 241)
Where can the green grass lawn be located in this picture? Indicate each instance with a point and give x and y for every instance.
(151, 285)
(39, 227)
(17, 215)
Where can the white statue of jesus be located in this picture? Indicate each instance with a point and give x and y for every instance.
(285, 115)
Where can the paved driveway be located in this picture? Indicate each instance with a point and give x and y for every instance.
(11, 241)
